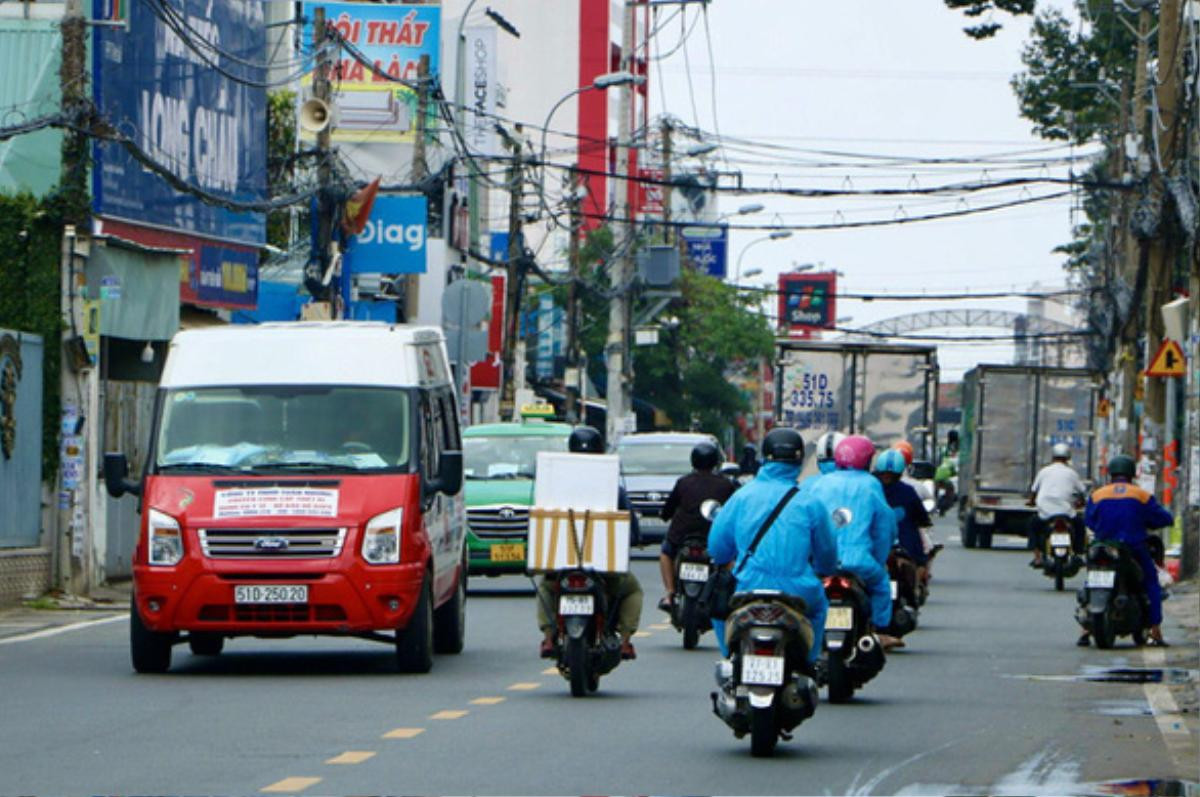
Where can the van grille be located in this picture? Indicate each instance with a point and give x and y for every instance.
(272, 543)
(499, 521)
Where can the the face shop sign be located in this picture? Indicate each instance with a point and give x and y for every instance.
(393, 241)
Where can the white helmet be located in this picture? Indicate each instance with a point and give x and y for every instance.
(827, 444)
(1060, 451)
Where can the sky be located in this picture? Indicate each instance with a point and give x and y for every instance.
(830, 82)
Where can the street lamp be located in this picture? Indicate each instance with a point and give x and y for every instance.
(776, 235)
(606, 81)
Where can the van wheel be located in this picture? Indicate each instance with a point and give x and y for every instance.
(206, 644)
(450, 619)
(149, 650)
(414, 642)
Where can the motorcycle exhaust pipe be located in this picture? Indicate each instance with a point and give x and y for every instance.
(867, 644)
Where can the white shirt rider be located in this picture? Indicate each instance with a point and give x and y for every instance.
(1057, 487)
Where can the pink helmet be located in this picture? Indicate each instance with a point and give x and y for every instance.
(854, 453)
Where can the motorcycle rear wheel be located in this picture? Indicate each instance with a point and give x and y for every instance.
(841, 689)
(691, 629)
(1058, 575)
(576, 653)
(763, 733)
(1103, 631)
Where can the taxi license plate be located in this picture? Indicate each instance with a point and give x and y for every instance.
(508, 552)
(1060, 540)
(575, 604)
(270, 593)
(840, 618)
(762, 670)
(693, 572)
(895, 590)
(1101, 579)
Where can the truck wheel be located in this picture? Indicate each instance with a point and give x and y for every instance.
(450, 619)
(206, 644)
(414, 642)
(969, 532)
(149, 650)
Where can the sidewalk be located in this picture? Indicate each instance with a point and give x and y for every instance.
(53, 611)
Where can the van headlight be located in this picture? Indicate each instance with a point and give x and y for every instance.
(381, 540)
(165, 539)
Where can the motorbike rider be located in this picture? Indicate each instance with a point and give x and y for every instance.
(947, 469)
(930, 547)
(748, 465)
(826, 445)
(1123, 512)
(623, 589)
(1057, 490)
(682, 509)
(911, 515)
(795, 552)
(866, 526)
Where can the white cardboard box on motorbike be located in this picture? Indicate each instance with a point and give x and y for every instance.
(574, 521)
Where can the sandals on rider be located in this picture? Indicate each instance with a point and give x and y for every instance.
(1156, 642)
(665, 604)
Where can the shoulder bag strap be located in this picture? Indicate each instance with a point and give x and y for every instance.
(766, 525)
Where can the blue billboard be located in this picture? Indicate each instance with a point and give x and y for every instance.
(190, 95)
(393, 241)
(707, 249)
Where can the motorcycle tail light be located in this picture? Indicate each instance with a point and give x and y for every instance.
(697, 553)
(764, 648)
(767, 615)
(578, 581)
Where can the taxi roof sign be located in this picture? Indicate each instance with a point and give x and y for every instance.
(537, 410)
(1168, 361)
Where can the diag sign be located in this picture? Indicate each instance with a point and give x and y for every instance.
(393, 242)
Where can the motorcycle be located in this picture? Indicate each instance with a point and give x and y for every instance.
(1059, 562)
(852, 654)
(1112, 601)
(692, 567)
(906, 591)
(766, 686)
(590, 645)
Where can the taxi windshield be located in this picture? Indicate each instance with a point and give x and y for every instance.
(506, 456)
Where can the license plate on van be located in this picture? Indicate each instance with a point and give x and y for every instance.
(270, 593)
(508, 552)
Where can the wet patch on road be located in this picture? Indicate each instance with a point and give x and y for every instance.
(1172, 676)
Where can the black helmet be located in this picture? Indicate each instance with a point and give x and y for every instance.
(705, 456)
(585, 440)
(783, 445)
(1122, 465)
(952, 436)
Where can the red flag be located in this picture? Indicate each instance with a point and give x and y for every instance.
(358, 208)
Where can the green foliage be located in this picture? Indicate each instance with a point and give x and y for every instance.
(281, 172)
(30, 234)
(977, 8)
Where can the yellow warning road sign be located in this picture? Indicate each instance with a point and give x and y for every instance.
(1169, 361)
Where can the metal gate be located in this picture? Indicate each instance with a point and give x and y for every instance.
(20, 439)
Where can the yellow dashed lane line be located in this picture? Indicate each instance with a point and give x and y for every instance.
(487, 701)
(351, 757)
(524, 686)
(550, 671)
(291, 785)
(660, 626)
(403, 733)
(449, 714)
(641, 633)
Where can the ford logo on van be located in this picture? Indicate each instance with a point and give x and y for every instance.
(271, 544)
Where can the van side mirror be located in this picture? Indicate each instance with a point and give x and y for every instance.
(922, 469)
(116, 476)
(450, 474)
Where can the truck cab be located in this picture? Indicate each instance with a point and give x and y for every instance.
(499, 462)
(301, 478)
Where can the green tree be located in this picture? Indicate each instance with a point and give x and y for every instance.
(975, 9)
(281, 164)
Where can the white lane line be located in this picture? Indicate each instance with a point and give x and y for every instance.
(62, 629)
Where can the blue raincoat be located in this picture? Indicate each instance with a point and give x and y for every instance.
(792, 556)
(864, 542)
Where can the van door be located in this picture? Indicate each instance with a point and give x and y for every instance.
(444, 515)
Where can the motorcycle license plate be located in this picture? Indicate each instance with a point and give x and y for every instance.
(1060, 540)
(1101, 579)
(895, 590)
(508, 552)
(762, 670)
(840, 618)
(576, 604)
(270, 593)
(693, 572)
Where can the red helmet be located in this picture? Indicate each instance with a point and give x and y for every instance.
(905, 448)
(854, 453)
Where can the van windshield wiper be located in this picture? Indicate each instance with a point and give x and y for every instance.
(300, 465)
(200, 467)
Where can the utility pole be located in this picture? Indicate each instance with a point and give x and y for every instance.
(617, 399)
(322, 91)
(575, 410)
(513, 282)
(420, 171)
(667, 129)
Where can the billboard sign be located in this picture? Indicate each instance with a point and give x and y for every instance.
(391, 38)
(480, 85)
(393, 242)
(707, 249)
(807, 302)
(165, 91)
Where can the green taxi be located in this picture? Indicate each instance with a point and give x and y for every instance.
(499, 460)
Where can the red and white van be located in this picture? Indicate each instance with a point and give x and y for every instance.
(301, 478)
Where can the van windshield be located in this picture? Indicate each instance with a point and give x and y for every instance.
(506, 456)
(284, 428)
(671, 459)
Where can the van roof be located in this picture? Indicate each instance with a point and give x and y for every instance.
(307, 352)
